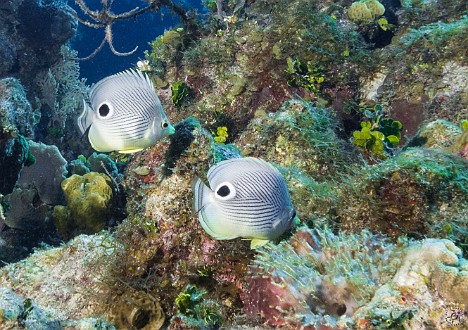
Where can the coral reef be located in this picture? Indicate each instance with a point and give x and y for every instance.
(229, 88)
(15, 310)
(365, 10)
(438, 134)
(64, 284)
(194, 311)
(137, 310)
(285, 81)
(37, 189)
(16, 113)
(300, 135)
(428, 290)
(162, 234)
(14, 154)
(417, 89)
(46, 68)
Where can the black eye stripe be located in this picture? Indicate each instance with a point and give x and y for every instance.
(223, 191)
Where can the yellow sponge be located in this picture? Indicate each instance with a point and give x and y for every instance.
(365, 10)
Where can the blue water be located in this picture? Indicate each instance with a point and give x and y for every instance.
(127, 35)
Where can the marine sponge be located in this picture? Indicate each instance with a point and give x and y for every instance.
(137, 310)
(88, 200)
(365, 10)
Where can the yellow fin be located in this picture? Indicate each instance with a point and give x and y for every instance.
(257, 242)
(130, 151)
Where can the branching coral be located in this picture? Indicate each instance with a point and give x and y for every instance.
(105, 18)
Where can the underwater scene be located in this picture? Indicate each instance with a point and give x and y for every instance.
(233, 164)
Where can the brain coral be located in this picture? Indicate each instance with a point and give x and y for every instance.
(88, 200)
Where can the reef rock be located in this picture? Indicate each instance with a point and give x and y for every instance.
(420, 192)
(71, 282)
(162, 230)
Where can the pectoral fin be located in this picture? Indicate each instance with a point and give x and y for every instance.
(256, 243)
(130, 151)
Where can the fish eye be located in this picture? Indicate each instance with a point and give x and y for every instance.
(164, 124)
(225, 191)
(104, 110)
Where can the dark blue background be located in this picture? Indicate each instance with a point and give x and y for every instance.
(127, 34)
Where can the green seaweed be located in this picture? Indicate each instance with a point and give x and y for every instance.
(378, 136)
(305, 75)
(195, 310)
(221, 134)
(180, 92)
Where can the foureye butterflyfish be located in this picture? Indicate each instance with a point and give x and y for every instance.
(246, 197)
(124, 114)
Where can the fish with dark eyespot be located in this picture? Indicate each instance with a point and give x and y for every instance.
(124, 114)
(246, 197)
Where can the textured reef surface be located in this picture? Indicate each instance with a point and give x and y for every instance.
(361, 106)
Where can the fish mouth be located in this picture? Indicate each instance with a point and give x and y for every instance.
(170, 130)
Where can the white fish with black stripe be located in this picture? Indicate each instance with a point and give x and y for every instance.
(124, 114)
(248, 198)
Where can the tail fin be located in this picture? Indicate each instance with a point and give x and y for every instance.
(86, 118)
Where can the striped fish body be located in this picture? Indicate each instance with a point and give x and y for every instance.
(124, 114)
(246, 197)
